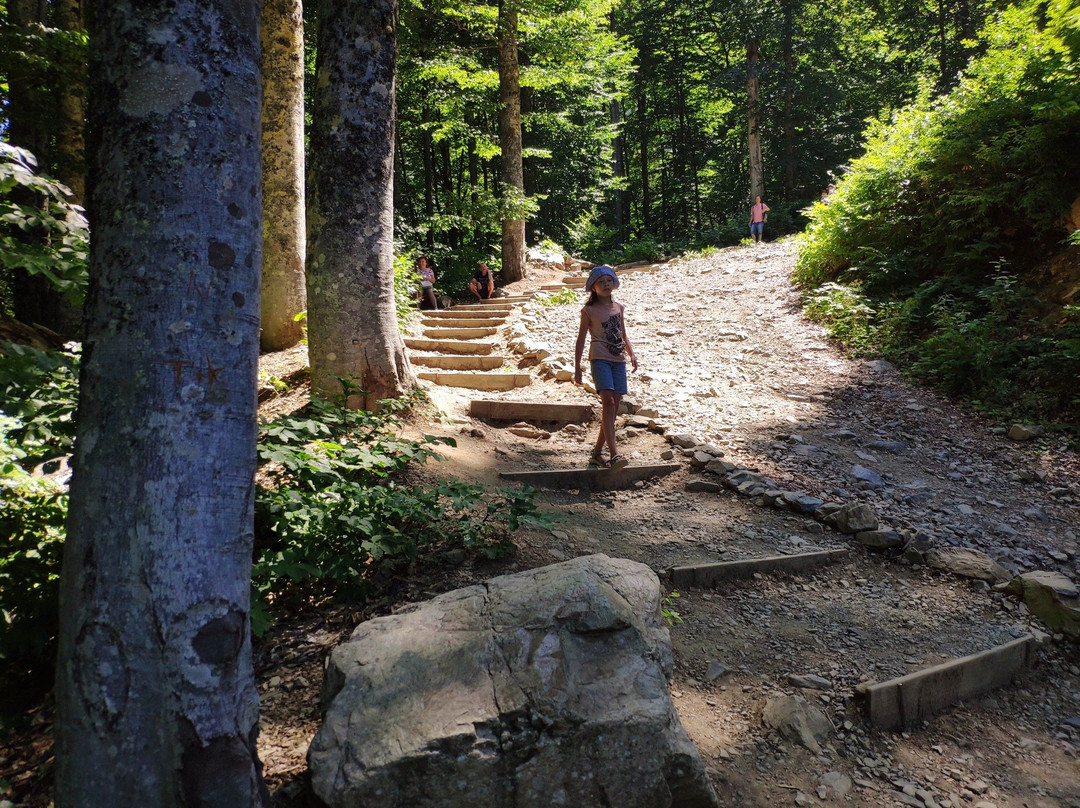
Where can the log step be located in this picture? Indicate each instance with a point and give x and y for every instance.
(590, 479)
(531, 411)
(474, 322)
(458, 362)
(479, 381)
(574, 280)
(503, 310)
(449, 346)
(707, 575)
(459, 313)
(459, 333)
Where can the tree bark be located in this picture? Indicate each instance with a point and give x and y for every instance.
(352, 322)
(283, 283)
(618, 170)
(643, 156)
(789, 99)
(156, 698)
(753, 118)
(70, 142)
(513, 175)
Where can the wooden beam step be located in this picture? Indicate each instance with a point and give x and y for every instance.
(707, 575)
(479, 381)
(907, 700)
(531, 411)
(458, 313)
(449, 346)
(574, 280)
(459, 333)
(474, 322)
(505, 309)
(590, 479)
(495, 301)
(458, 362)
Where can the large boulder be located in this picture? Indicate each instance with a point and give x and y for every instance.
(968, 563)
(547, 687)
(1052, 598)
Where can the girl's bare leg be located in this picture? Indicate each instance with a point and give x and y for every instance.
(609, 420)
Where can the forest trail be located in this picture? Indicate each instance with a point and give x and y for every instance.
(727, 357)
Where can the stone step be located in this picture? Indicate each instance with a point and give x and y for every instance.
(475, 322)
(495, 301)
(574, 280)
(459, 333)
(449, 346)
(557, 287)
(590, 479)
(479, 381)
(458, 362)
(531, 411)
(459, 313)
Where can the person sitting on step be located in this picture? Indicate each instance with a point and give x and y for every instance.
(483, 283)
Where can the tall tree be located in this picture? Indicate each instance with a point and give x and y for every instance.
(70, 146)
(156, 697)
(352, 324)
(510, 141)
(753, 118)
(283, 283)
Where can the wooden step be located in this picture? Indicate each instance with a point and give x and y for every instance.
(458, 313)
(574, 280)
(495, 301)
(449, 346)
(531, 411)
(479, 381)
(590, 479)
(557, 287)
(475, 322)
(459, 333)
(458, 362)
(480, 307)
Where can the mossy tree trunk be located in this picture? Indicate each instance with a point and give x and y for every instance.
(283, 283)
(156, 699)
(352, 322)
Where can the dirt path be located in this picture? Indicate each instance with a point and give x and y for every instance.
(727, 357)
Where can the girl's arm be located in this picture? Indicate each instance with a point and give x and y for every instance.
(579, 347)
(626, 341)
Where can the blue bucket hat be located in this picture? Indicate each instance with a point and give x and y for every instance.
(599, 272)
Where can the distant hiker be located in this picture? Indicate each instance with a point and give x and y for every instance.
(483, 283)
(758, 217)
(427, 282)
(826, 195)
(604, 320)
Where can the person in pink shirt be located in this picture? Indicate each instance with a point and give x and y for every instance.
(758, 219)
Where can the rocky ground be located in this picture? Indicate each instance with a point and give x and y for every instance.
(727, 358)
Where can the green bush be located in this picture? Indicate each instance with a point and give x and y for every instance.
(335, 518)
(923, 251)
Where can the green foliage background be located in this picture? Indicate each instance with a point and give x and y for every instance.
(931, 248)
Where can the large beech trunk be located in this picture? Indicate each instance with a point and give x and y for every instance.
(513, 175)
(156, 700)
(753, 121)
(352, 323)
(283, 284)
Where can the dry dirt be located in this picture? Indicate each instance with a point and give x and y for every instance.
(726, 357)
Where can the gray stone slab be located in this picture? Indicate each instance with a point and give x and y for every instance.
(906, 700)
(590, 479)
(532, 411)
(707, 575)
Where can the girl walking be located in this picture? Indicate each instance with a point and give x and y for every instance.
(604, 320)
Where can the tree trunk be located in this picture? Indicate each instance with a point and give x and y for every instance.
(70, 145)
(618, 170)
(27, 108)
(352, 321)
(513, 176)
(156, 699)
(643, 148)
(789, 100)
(753, 118)
(283, 285)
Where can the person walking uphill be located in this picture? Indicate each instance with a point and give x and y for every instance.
(758, 218)
(604, 321)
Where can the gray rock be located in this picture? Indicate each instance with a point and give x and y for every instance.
(880, 365)
(684, 441)
(865, 475)
(801, 503)
(544, 687)
(855, 517)
(809, 680)
(716, 670)
(700, 459)
(703, 486)
(968, 563)
(1024, 432)
(1052, 598)
(719, 467)
(845, 435)
(838, 782)
(880, 539)
(806, 450)
(638, 422)
(798, 721)
(891, 446)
